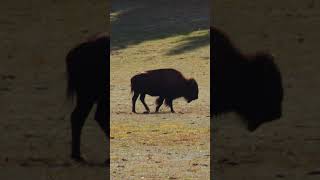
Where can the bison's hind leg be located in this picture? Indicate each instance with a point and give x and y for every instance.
(168, 102)
(104, 123)
(78, 118)
(142, 96)
(101, 117)
(134, 99)
(159, 102)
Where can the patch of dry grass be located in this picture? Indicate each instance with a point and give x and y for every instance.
(163, 145)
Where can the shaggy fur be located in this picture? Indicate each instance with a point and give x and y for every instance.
(250, 85)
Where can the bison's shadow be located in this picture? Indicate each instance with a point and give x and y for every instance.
(54, 163)
(152, 113)
(161, 112)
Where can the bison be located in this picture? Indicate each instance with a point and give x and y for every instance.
(167, 84)
(249, 84)
(87, 66)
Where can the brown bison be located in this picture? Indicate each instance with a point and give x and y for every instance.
(167, 84)
(250, 85)
(87, 66)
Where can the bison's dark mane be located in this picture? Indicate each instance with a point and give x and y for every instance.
(236, 76)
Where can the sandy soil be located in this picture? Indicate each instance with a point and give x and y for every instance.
(288, 148)
(35, 37)
(159, 146)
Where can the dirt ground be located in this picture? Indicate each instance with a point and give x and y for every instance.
(35, 37)
(155, 35)
(288, 148)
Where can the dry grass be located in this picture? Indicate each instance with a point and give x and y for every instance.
(163, 145)
(35, 37)
(288, 148)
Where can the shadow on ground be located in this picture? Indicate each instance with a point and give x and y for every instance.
(135, 22)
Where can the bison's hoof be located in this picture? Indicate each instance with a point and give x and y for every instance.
(146, 112)
(253, 126)
(173, 111)
(78, 159)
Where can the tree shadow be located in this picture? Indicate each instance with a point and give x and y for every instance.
(191, 43)
(135, 22)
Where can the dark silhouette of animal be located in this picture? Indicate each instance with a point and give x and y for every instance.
(249, 84)
(87, 75)
(167, 84)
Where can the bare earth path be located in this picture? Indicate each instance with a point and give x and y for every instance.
(150, 35)
(35, 36)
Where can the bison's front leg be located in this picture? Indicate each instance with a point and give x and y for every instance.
(142, 96)
(159, 102)
(169, 103)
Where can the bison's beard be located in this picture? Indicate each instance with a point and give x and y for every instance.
(189, 99)
(254, 122)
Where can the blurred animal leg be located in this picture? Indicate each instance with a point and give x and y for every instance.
(159, 102)
(134, 99)
(169, 103)
(78, 118)
(103, 121)
(142, 96)
(101, 117)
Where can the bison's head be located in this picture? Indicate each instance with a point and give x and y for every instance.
(262, 93)
(191, 91)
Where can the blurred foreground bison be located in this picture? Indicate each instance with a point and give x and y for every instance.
(167, 84)
(250, 85)
(87, 66)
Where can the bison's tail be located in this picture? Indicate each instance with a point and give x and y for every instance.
(70, 76)
(135, 83)
(132, 84)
